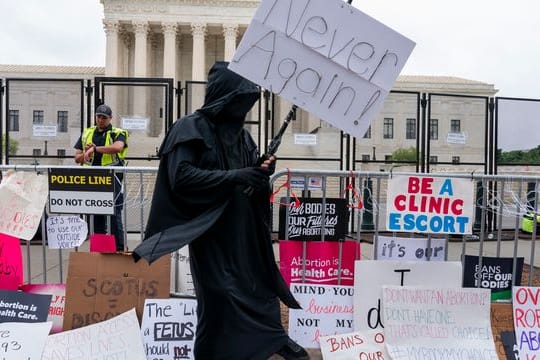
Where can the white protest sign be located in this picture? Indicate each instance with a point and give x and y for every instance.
(23, 341)
(392, 248)
(425, 204)
(324, 56)
(66, 232)
(371, 275)
(23, 196)
(184, 279)
(116, 338)
(525, 301)
(168, 328)
(350, 346)
(437, 323)
(326, 310)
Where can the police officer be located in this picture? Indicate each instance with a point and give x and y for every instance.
(105, 145)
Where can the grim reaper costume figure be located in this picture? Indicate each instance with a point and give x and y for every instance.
(207, 162)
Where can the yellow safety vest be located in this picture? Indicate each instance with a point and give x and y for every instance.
(106, 159)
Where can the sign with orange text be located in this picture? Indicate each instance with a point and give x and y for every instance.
(434, 205)
(326, 310)
(526, 307)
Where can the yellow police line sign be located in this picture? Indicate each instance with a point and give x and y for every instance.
(81, 191)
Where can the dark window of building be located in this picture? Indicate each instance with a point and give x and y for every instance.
(455, 126)
(61, 152)
(434, 129)
(13, 120)
(388, 128)
(387, 157)
(36, 152)
(38, 117)
(455, 159)
(62, 121)
(410, 132)
(367, 135)
(433, 159)
(365, 157)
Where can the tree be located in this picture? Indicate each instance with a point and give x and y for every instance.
(13, 145)
(401, 154)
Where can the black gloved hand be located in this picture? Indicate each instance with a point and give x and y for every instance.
(255, 177)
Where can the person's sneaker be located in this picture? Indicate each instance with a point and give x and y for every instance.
(293, 351)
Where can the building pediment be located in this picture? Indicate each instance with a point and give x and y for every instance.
(165, 6)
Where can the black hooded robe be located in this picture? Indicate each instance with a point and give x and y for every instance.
(237, 282)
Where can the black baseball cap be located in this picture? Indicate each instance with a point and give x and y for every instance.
(104, 110)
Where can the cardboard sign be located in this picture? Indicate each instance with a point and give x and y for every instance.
(11, 263)
(17, 306)
(81, 191)
(525, 302)
(168, 328)
(101, 286)
(66, 232)
(23, 341)
(496, 274)
(324, 56)
(23, 196)
(392, 248)
(116, 338)
(349, 346)
(305, 222)
(434, 205)
(437, 323)
(58, 301)
(321, 264)
(326, 310)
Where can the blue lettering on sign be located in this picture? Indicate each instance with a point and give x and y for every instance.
(421, 223)
(446, 188)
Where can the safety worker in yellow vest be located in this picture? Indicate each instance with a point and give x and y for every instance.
(105, 145)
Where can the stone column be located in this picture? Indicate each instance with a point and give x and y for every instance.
(111, 58)
(230, 32)
(198, 70)
(169, 50)
(140, 29)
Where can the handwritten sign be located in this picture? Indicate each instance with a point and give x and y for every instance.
(430, 205)
(184, 279)
(116, 338)
(58, 301)
(527, 320)
(322, 263)
(11, 263)
(23, 341)
(306, 221)
(168, 328)
(326, 310)
(324, 56)
(349, 346)
(66, 232)
(20, 307)
(437, 323)
(23, 196)
(392, 248)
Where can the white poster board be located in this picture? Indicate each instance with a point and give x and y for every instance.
(23, 196)
(415, 249)
(437, 323)
(326, 310)
(116, 338)
(134, 123)
(66, 232)
(184, 279)
(325, 56)
(350, 346)
(425, 204)
(525, 301)
(168, 328)
(44, 130)
(23, 341)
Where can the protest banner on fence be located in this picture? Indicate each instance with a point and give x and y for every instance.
(371, 275)
(116, 338)
(17, 306)
(326, 310)
(437, 323)
(325, 56)
(23, 341)
(392, 248)
(168, 328)
(526, 301)
(11, 263)
(58, 301)
(66, 232)
(496, 274)
(349, 346)
(321, 263)
(424, 204)
(23, 196)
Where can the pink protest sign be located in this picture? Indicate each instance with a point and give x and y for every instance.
(526, 302)
(58, 301)
(11, 267)
(322, 262)
(102, 243)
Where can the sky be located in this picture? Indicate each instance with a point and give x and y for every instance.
(493, 41)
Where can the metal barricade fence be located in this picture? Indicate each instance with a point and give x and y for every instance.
(501, 203)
